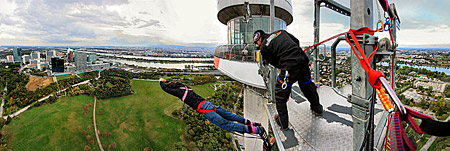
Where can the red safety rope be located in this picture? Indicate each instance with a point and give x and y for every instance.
(373, 74)
(325, 40)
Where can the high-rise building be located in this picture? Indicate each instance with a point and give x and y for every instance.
(26, 59)
(36, 55)
(80, 60)
(17, 54)
(35, 63)
(92, 57)
(70, 55)
(10, 58)
(57, 64)
(49, 55)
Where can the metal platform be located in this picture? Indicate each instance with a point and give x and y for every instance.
(307, 131)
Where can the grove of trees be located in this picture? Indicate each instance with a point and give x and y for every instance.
(202, 134)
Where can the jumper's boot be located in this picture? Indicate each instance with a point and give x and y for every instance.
(268, 143)
(278, 121)
(248, 122)
(318, 109)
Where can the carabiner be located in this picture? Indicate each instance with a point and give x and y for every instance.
(387, 24)
(284, 85)
(382, 25)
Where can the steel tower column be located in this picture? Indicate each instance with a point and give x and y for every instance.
(316, 40)
(361, 16)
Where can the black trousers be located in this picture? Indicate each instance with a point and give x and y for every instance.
(282, 95)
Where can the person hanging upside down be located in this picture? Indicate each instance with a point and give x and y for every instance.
(282, 50)
(213, 113)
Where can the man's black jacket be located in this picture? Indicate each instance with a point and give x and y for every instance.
(283, 51)
(192, 99)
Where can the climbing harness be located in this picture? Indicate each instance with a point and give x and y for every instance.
(284, 83)
(185, 92)
(310, 79)
(204, 111)
(184, 96)
(199, 105)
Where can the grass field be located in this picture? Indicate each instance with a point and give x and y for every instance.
(52, 127)
(64, 77)
(135, 121)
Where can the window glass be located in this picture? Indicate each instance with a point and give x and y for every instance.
(240, 32)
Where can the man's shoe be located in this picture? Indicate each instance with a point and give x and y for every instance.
(317, 109)
(278, 121)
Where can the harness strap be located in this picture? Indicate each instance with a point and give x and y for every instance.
(185, 92)
(395, 132)
(204, 111)
(289, 85)
(305, 82)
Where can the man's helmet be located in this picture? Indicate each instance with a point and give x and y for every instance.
(258, 35)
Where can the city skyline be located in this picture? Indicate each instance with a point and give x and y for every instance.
(186, 23)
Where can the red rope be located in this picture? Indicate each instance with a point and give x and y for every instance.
(325, 40)
(364, 61)
(373, 74)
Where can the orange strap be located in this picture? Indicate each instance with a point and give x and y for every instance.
(204, 111)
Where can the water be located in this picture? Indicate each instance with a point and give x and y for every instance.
(157, 58)
(157, 65)
(445, 70)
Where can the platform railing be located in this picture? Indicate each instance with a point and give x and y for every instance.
(236, 52)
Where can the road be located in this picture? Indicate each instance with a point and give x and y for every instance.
(42, 99)
(431, 140)
(3, 98)
(95, 126)
(432, 81)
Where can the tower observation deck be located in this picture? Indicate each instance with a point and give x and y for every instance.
(242, 20)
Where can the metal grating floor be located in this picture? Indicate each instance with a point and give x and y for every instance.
(307, 131)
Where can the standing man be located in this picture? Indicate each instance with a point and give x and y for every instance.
(283, 51)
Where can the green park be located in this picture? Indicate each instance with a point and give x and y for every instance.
(138, 121)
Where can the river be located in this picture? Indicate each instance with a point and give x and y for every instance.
(445, 70)
(156, 65)
(156, 58)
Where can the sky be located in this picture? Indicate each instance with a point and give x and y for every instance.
(187, 22)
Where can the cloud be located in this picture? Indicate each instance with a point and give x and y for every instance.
(191, 23)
